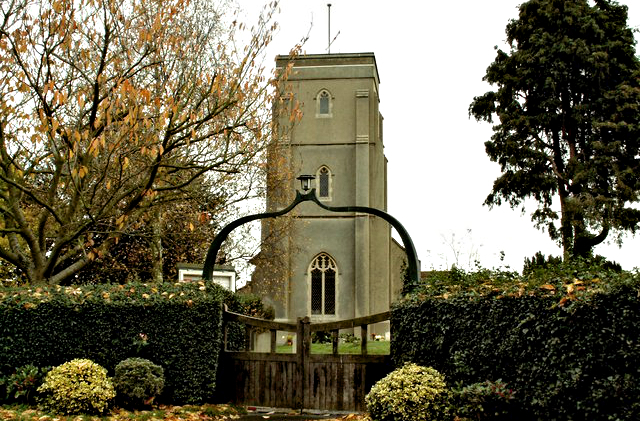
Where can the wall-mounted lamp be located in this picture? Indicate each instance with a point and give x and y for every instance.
(305, 181)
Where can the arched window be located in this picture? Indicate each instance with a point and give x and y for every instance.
(322, 275)
(324, 183)
(324, 104)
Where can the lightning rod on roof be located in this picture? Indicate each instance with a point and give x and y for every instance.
(329, 29)
(329, 40)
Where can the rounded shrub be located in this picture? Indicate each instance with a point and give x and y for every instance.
(411, 392)
(21, 386)
(79, 386)
(138, 381)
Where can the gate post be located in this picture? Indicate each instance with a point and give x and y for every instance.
(303, 349)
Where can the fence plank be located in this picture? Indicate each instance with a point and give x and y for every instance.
(340, 404)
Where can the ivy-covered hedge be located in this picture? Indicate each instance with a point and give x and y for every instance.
(177, 326)
(568, 346)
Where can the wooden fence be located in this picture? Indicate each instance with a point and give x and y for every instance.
(301, 380)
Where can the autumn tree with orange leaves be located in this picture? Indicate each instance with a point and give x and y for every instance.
(112, 110)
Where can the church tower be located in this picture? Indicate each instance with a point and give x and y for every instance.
(333, 266)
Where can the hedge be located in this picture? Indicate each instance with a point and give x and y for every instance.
(177, 326)
(569, 348)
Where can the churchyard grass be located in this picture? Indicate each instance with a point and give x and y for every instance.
(373, 348)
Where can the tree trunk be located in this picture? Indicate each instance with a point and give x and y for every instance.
(566, 229)
(156, 247)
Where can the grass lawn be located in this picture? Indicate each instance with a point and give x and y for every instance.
(373, 348)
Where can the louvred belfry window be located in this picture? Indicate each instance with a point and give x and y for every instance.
(323, 285)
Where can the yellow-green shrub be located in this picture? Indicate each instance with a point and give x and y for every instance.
(77, 386)
(411, 392)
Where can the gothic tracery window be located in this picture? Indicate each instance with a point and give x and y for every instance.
(323, 273)
(323, 104)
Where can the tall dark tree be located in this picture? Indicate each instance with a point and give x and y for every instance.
(568, 105)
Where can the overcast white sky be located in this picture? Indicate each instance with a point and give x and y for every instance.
(431, 58)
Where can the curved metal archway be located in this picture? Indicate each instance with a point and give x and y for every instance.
(412, 258)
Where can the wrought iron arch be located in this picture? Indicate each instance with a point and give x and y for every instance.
(412, 258)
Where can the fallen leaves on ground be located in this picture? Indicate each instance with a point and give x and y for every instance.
(160, 413)
(351, 417)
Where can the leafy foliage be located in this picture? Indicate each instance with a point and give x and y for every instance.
(138, 381)
(484, 401)
(113, 112)
(247, 304)
(567, 282)
(539, 261)
(564, 339)
(175, 325)
(567, 102)
(410, 392)
(21, 386)
(78, 386)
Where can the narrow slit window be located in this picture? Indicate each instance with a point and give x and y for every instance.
(324, 178)
(324, 183)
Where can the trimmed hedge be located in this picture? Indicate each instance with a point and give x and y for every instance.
(177, 326)
(569, 348)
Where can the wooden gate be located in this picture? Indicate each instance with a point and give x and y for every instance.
(301, 380)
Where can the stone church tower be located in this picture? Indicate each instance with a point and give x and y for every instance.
(327, 265)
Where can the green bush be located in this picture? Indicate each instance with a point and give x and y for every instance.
(566, 341)
(349, 338)
(177, 326)
(21, 386)
(78, 386)
(138, 381)
(408, 393)
(321, 337)
(484, 401)
(247, 304)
